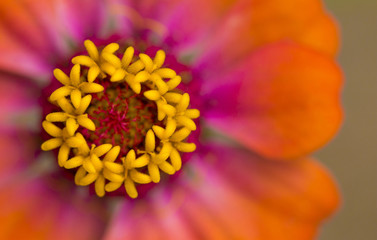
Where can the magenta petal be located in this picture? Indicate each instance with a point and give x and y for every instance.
(82, 19)
(231, 193)
(18, 103)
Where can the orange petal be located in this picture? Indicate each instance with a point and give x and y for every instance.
(252, 24)
(283, 102)
(17, 58)
(30, 210)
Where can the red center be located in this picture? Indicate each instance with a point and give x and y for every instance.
(121, 117)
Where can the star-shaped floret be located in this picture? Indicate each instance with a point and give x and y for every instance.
(61, 138)
(184, 116)
(91, 167)
(75, 85)
(97, 62)
(128, 173)
(73, 117)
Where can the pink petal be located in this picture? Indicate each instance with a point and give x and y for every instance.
(18, 103)
(233, 194)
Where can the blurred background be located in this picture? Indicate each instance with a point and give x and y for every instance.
(352, 155)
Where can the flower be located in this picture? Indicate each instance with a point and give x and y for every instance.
(263, 77)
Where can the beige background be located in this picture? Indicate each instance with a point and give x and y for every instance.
(352, 155)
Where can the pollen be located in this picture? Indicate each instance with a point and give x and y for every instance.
(122, 121)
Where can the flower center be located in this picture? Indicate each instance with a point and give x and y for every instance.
(121, 116)
(122, 120)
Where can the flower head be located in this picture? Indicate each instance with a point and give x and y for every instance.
(166, 119)
(172, 126)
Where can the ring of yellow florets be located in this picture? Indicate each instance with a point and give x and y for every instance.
(97, 164)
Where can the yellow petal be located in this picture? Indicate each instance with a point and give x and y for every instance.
(88, 179)
(129, 185)
(99, 186)
(62, 77)
(102, 149)
(71, 126)
(159, 131)
(91, 87)
(127, 56)
(113, 177)
(83, 60)
(112, 186)
(139, 177)
(162, 86)
(80, 174)
(187, 122)
(174, 82)
(112, 155)
(180, 135)
(88, 165)
(160, 114)
(51, 144)
(159, 59)
(97, 163)
(184, 103)
(93, 73)
(76, 98)
(185, 147)
(108, 68)
(91, 49)
(114, 167)
(51, 129)
(175, 159)
(112, 59)
(86, 122)
(168, 109)
(57, 117)
(141, 161)
(141, 77)
(118, 75)
(172, 97)
(110, 48)
(135, 67)
(74, 162)
(130, 157)
(164, 153)
(167, 168)
(75, 142)
(192, 113)
(152, 95)
(65, 105)
(84, 104)
(63, 154)
(60, 93)
(147, 61)
(171, 126)
(136, 87)
(75, 75)
(154, 172)
(166, 73)
(150, 141)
